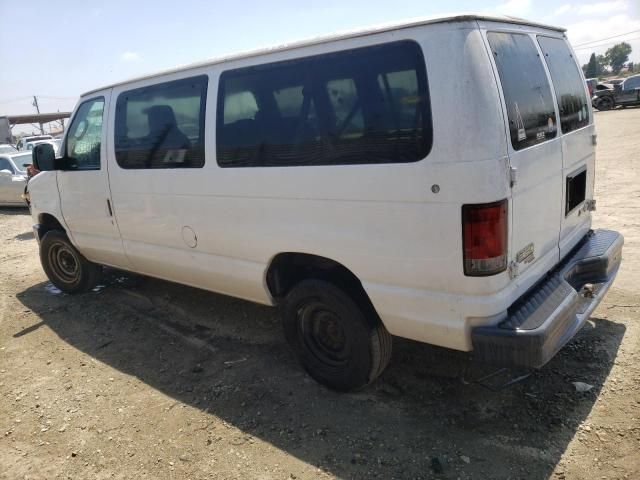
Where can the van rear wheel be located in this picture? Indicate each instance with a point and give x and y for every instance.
(65, 266)
(334, 339)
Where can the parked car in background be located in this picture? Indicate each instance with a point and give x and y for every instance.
(13, 178)
(54, 143)
(625, 93)
(22, 143)
(7, 148)
(591, 85)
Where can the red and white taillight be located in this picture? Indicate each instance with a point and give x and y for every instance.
(484, 238)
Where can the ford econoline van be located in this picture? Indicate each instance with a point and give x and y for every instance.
(431, 180)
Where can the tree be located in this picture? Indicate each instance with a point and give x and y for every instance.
(592, 67)
(617, 56)
(603, 63)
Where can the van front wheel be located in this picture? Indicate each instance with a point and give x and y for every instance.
(334, 340)
(65, 266)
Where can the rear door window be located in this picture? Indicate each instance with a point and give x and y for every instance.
(570, 94)
(527, 93)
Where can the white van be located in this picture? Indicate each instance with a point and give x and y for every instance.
(24, 141)
(431, 180)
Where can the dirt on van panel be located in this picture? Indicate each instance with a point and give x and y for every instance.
(147, 379)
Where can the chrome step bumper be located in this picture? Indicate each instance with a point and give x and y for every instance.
(543, 320)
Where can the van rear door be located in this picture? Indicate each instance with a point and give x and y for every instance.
(534, 150)
(578, 151)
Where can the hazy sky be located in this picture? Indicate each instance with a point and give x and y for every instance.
(60, 49)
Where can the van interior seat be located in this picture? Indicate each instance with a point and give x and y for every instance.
(270, 131)
(164, 132)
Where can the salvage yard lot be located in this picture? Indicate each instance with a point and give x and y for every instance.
(148, 379)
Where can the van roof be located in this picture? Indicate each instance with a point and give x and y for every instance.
(413, 22)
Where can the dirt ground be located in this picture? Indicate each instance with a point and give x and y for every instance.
(148, 379)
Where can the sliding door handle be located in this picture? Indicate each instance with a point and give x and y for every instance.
(109, 207)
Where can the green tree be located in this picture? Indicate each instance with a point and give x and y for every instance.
(592, 67)
(603, 63)
(617, 56)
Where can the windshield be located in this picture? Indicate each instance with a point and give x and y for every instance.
(7, 149)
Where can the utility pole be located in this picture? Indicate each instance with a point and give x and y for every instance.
(35, 104)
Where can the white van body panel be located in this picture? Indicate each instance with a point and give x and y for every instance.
(329, 210)
(45, 197)
(386, 223)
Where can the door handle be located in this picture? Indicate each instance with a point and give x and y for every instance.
(109, 207)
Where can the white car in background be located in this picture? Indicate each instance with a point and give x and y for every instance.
(55, 143)
(22, 143)
(7, 148)
(13, 178)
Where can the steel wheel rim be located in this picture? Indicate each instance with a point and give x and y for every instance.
(64, 262)
(323, 334)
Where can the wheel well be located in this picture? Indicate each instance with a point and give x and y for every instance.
(49, 222)
(289, 268)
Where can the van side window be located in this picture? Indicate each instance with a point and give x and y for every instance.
(84, 137)
(527, 93)
(366, 105)
(567, 82)
(162, 126)
(238, 106)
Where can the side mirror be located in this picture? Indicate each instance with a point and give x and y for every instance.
(6, 173)
(617, 87)
(44, 157)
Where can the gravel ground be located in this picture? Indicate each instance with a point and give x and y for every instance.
(148, 379)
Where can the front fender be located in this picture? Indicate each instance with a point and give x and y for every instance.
(45, 198)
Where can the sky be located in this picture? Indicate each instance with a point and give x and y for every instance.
(59, 49)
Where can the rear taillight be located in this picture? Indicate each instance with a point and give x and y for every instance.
(484, 238)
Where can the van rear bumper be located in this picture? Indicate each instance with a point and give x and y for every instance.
(543, 320)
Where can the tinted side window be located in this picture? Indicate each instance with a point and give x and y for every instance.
(368, 105)
(84, 137)
(162, 126)
(572, 101)
(532, 117)
(632, 83)
(6, 165)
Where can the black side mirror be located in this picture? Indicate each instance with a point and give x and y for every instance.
(44, 157)
(617, 87)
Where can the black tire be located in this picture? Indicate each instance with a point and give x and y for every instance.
(65, 266)
(338, 344)
(605, 103)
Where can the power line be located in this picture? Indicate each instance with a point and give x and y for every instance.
(606, 38)
(591, 47)
(14, 99)
(57, 98)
